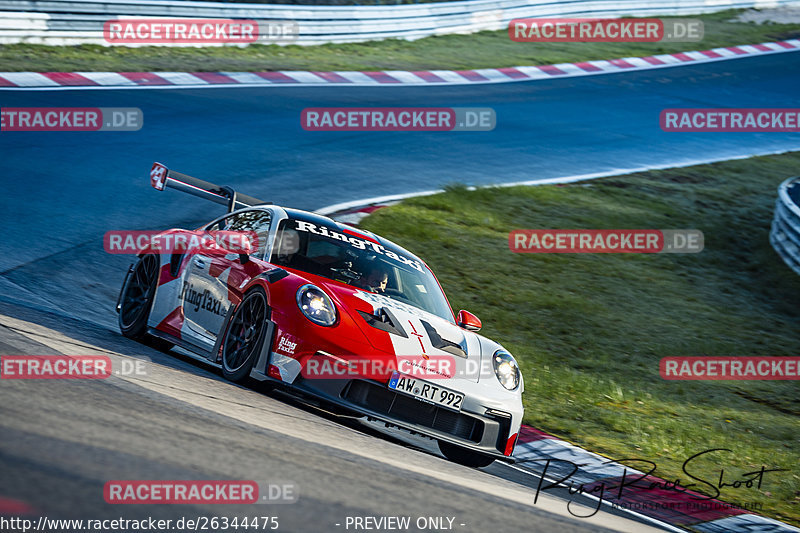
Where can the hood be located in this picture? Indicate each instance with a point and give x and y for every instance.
(395, 327)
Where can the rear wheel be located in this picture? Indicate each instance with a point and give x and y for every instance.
(245, 336)
(135, 301)
(465, 457)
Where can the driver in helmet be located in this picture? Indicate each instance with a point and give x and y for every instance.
(375, 280)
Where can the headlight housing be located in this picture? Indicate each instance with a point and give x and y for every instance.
(316, 305)
(506, 369)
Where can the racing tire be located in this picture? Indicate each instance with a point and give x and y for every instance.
(136, 299)
(245, 336)
(464, 457)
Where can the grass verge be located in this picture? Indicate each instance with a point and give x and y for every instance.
(481, 50)
(589, 330)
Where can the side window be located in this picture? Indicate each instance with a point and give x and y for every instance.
(256, 220)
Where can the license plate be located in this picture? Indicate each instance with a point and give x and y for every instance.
(427, 392)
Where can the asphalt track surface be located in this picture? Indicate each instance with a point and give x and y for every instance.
(61, 441)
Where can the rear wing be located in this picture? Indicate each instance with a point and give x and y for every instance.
(161, 178)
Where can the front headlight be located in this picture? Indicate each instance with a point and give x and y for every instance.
(316, 305)
(506, 369)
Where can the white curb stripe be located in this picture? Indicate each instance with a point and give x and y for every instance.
(571, 69)
(356, 77)
(448, 76)
(724, 52)
(304, 77)
(492, 74)
(107, 78)
(182, 78)
(29, 79)
(406, 77)
(245, 77)
(699, 56)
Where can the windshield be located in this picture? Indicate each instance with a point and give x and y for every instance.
(355, 259)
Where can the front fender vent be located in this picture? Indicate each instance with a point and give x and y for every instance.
(384, 320)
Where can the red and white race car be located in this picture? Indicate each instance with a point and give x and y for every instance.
(331, 312)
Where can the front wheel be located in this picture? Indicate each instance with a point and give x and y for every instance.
(137, 296)
(136, 299)
(465, 457)
(245, 336)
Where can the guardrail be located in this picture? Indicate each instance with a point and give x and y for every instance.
(61, 22)
(785, 233)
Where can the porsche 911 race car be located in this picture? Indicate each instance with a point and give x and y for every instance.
(329, 312)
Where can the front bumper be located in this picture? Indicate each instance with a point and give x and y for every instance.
(487, 432)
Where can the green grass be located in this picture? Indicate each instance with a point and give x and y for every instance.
(481, 50)
(589, 329)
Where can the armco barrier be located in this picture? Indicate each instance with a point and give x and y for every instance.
(785, 234)
(60, 22)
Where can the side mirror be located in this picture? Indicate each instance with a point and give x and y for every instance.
(468, 321)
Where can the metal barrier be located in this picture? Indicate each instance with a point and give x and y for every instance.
(81, 21)
(785, 234)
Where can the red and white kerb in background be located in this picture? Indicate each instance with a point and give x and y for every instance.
(391, 77)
